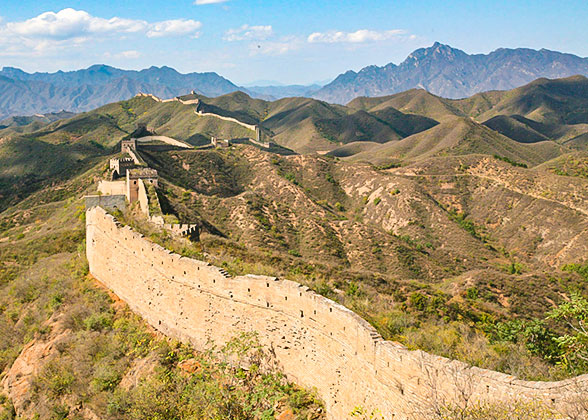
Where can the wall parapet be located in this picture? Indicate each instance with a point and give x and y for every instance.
(317, 342)
(222, 117)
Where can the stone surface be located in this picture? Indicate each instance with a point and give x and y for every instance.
(106, 201)
(317, 342)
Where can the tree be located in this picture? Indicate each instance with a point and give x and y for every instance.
(574, 313)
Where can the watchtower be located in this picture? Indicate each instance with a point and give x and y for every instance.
(148, 175)
(120, 166)
(219, 142)
(128, 144)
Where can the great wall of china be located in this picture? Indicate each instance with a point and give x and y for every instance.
(317, 342)
(198, 111)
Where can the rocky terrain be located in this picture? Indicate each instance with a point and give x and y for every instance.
(452, 73)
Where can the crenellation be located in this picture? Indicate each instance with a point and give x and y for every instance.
(317, 342)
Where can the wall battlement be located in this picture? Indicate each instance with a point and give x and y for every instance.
(317, 342)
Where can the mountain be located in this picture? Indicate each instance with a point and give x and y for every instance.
(273, 92)
(302, 124)
(409, 125)
(451, 226)
(24, 93)
(37, 118)
(452, 73)
(460, 136)
(543, 110)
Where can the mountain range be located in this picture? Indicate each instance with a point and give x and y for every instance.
(453, 226)
(24, 93)
(439, 69)
(452, 73)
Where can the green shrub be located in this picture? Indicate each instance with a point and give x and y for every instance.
(512, 162)
(352, 289)
(106, 377)
(472, 293)
(98, 321)
(56, 378)
(418, 301)
(582, 270)
(516, 410)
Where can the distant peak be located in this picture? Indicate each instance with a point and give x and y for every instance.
(437, 50)
(437, 45)
(9, 68)
(100, 68)
(12, 70)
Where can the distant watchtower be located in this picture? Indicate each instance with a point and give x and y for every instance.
(258, 133)
(120, 166)
(219, 142)
(129, 144)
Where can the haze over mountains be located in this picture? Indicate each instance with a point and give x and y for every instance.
(24, 93)
(439, 69)
(452, 73)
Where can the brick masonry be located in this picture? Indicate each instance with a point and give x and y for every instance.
(317, 342)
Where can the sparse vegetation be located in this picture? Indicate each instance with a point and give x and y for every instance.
(446, 258)
(509, 160)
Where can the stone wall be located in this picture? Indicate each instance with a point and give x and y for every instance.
(230, 119)
(136, 159)
(112, 187)
(317, 342)
(143, 197)
(110, 202)
(165, 139)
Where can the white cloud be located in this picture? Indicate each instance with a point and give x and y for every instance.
(247, 32)
(131, 54)
(70, 23)
(360, 36)
(279, 47)
(69, 28)
(176, 27)
(201, 2)
(51, 32)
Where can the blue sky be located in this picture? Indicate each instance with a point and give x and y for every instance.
(285, 41)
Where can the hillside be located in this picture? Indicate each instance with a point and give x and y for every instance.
(440, 232)
(460, 136)
(71, 349)
(371, 239)
(452, 73)
(541, 112)
(561, 101)
(304, 125)
(401, 128)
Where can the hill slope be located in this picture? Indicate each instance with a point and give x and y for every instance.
(460, 136)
